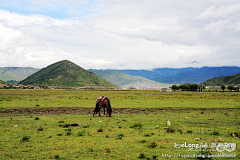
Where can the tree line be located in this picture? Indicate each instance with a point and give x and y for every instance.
(188, 87)
(230, 88)
(196, 87)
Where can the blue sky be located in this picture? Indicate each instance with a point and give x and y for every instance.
(120, 34)
(52, 8)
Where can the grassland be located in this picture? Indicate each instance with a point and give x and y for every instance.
(124, 136)
(119, 98)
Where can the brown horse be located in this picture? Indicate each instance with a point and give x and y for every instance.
(105, 103)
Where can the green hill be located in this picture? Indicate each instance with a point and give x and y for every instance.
(16, 73)
(65, 73)
(227, 80)
(2, 82)
(124, 80)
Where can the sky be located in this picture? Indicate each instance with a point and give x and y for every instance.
(120, 34)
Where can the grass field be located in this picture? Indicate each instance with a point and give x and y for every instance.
(119, 99)
(123, 136)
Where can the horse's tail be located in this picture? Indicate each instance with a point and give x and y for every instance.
(109, 104)
(110, 107)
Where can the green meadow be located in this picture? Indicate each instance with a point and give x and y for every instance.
(10, 99)
(210, 119)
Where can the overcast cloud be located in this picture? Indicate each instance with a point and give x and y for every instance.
(120, 34)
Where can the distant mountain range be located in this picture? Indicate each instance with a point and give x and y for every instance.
(65, 73)
(183, 75)
(16, 73)
(227, 80)
(124, 80)
(136, 78)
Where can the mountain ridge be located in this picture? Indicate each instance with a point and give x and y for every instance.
(227, 80)
(124, 80)
(162, 75)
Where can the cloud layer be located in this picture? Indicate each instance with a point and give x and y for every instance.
(119, 34)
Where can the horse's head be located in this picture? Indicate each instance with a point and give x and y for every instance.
(111, 110)
(99, 104)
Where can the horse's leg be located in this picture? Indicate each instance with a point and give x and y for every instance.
(104, 110)
(94, 111)
(99, 113)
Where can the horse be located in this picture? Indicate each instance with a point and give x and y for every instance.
(104, 102)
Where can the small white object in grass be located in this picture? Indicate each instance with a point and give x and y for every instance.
(15, 126)
(100, 121)
(186, 117)
(197, 139)
(168, 123)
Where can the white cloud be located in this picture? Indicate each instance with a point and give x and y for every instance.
(122, 34)
(220, 12)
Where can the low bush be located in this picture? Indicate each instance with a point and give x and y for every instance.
(25, 139)
(170, 130)
(120, 136)
(80, 133)
(215, 133)
(152, 145)
(189, 131)
(142, 156)
(136, 126)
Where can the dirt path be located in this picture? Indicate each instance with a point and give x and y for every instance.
(89, 111)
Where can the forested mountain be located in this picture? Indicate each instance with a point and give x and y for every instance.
(227, 80)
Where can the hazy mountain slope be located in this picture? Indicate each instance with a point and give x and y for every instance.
(183, 75)
(227, 80)
(2, 82)
(124, 80)
(16, 73)
(199, 75)
(65, 73)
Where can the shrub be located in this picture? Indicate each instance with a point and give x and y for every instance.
(235, 134)
(100, 129)
(25, 138)
(66, 125)
(40, 129)
(142, 156)
(180, 131)
(152, 145)
(215, 133)
(143, 141)
(56, 156)
(170, 130)
(80, 133)
(86, 126)
(204, 154)
(36, 118)
(69, 131)
(189, 131)
(147, 135)
(120, 136)
(155, 156)
(137, 126)
(37, 105)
